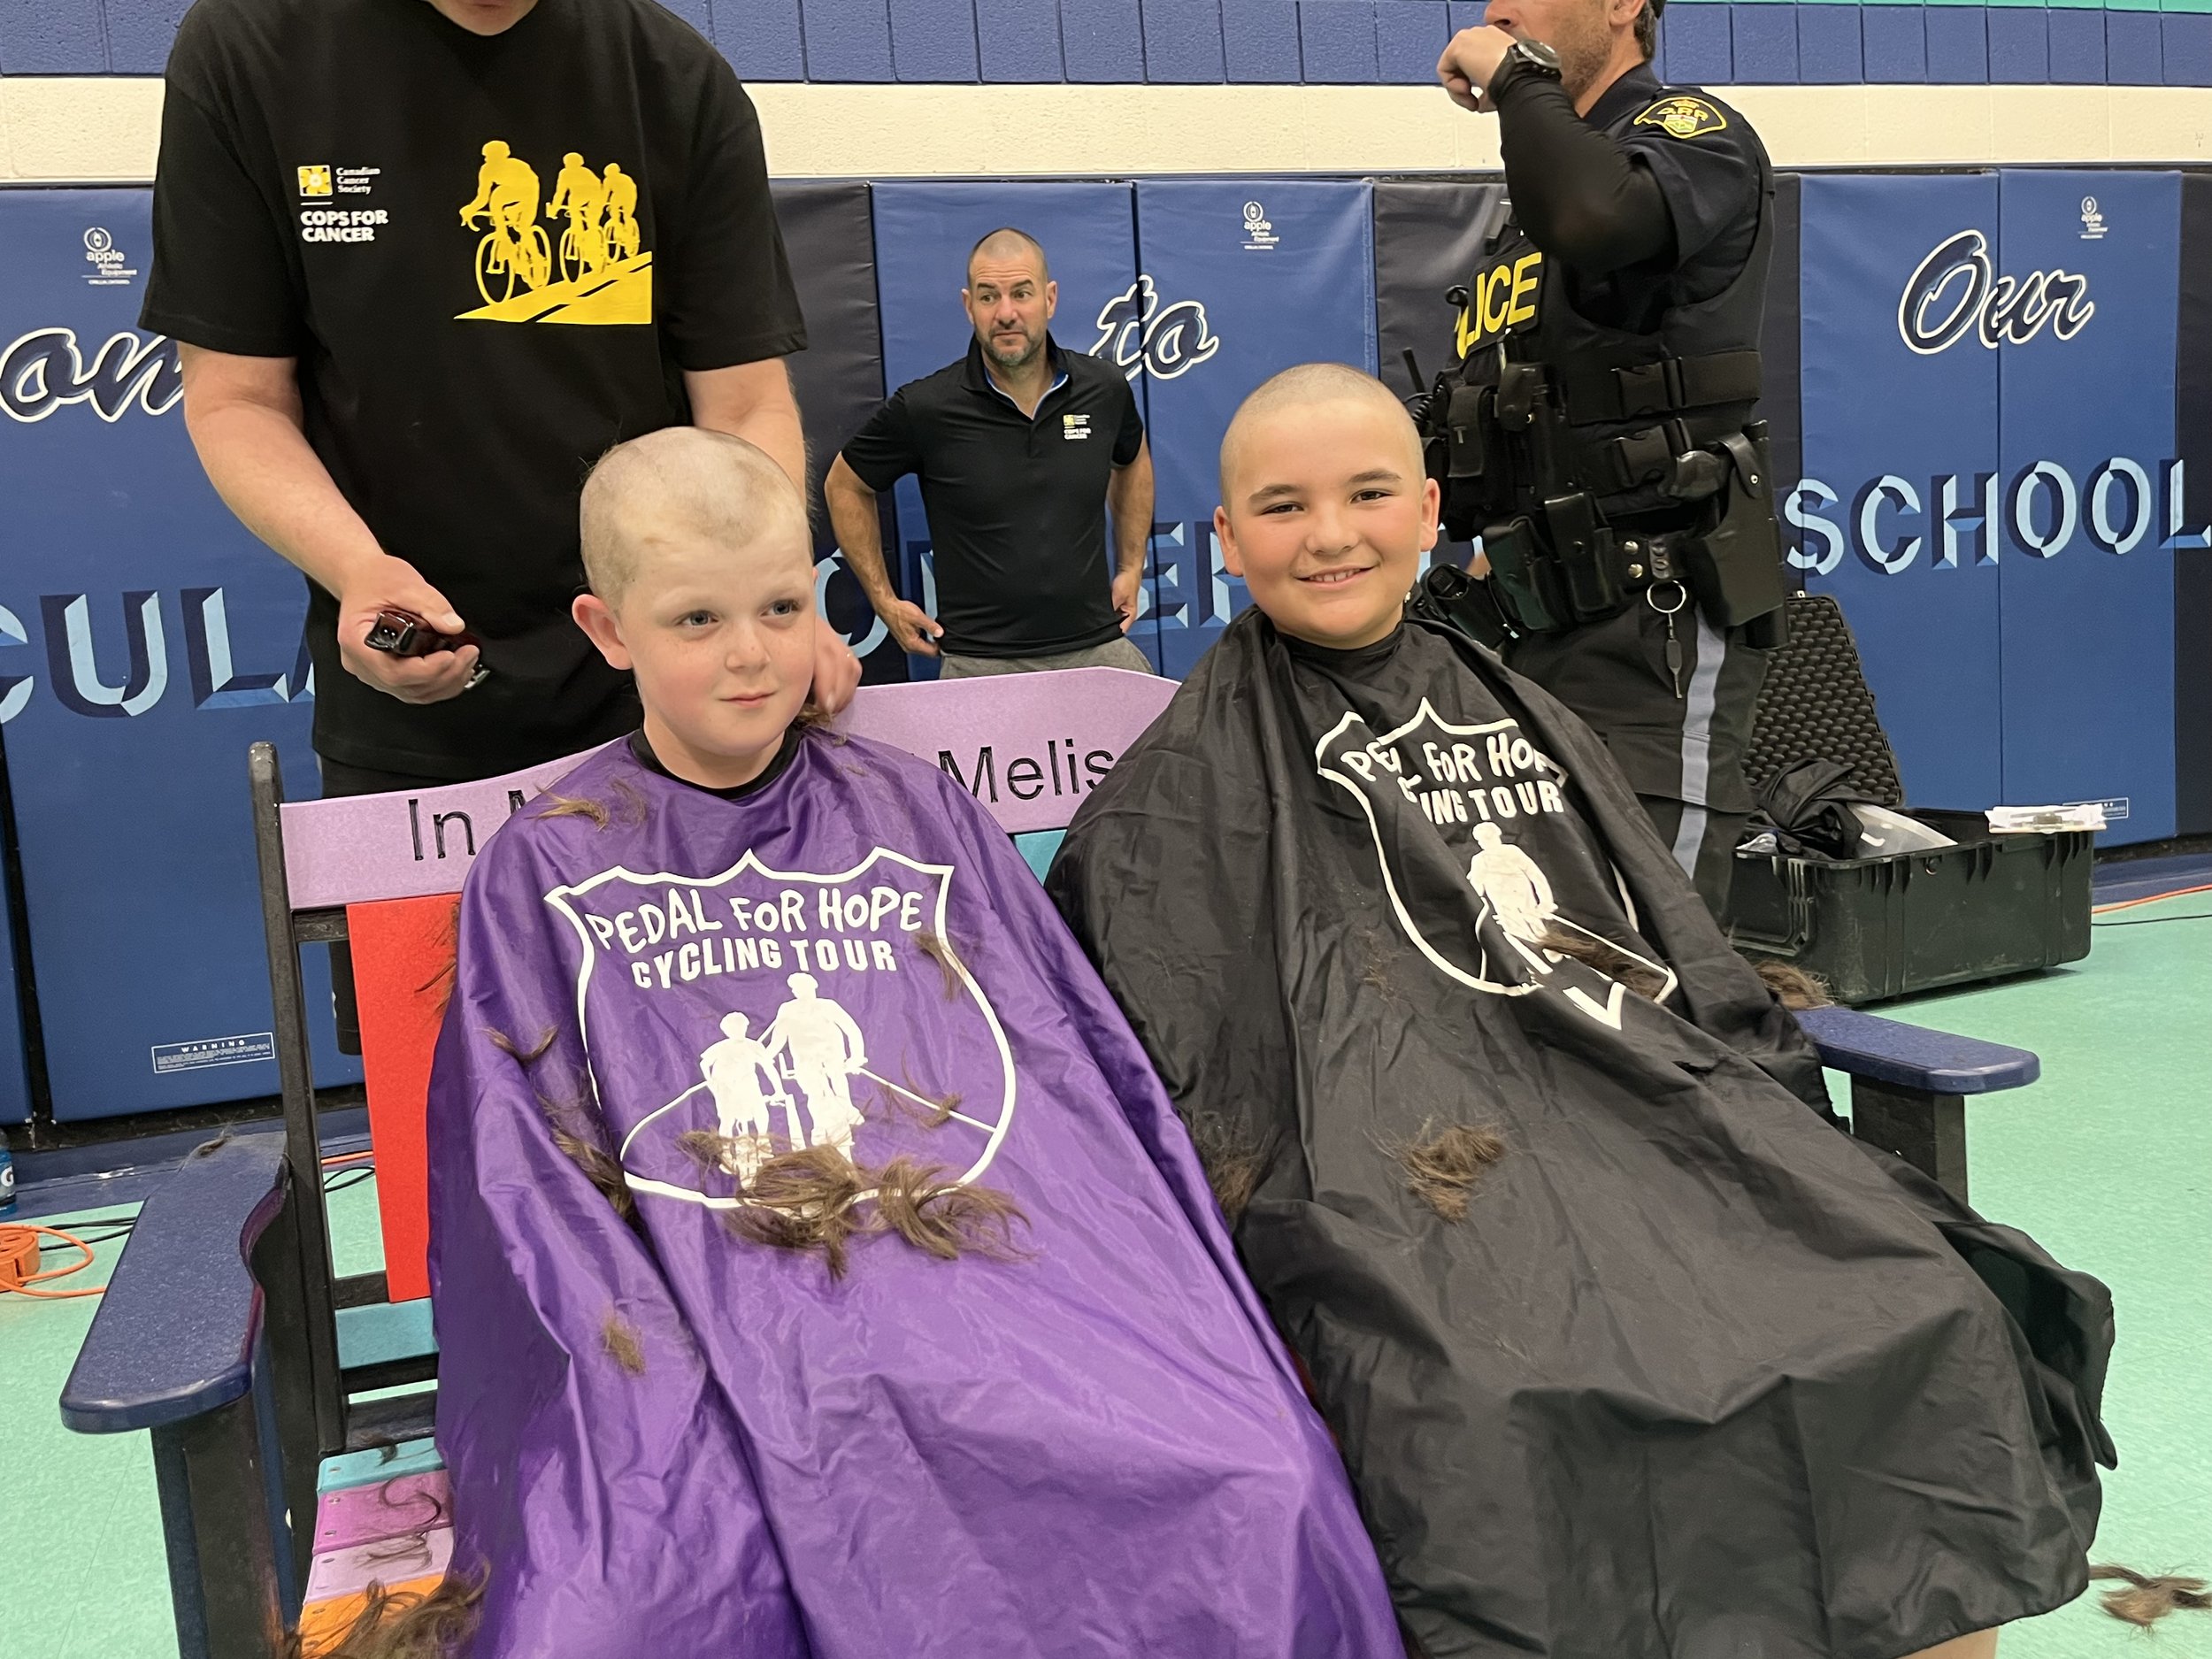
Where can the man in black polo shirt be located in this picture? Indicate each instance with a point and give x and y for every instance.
(1017, 446)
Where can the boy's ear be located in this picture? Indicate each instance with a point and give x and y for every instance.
(1231, 557)
(1431, 507)
(599, 625)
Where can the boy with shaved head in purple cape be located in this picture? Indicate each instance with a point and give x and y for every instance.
(820, 1272)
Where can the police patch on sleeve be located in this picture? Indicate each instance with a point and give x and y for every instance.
(1683, 117)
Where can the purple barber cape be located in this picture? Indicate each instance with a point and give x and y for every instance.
(666, 1440)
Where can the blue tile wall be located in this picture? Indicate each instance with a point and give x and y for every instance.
(1409, 37)
(1767, 43)
(1020, 41)
(1183, 41)
(53, 37)
(2188, 47)
(1829, 45)
(139, 32)
(2134, 49)
(933, 39)
(761, 38)
(1336, 38)
(1765, 37)
(2019, 45)
(1699, 53)
(1893, 42)
(1102, 40)
(1958, 45)
(846, 40)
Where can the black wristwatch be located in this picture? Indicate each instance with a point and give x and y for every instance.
(1530, 58)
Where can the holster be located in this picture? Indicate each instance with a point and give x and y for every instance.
(1450, 595)
(1733, 563)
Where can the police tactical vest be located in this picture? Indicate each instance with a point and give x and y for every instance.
(1621, 406)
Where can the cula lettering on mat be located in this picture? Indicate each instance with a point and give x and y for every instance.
(780, 1009)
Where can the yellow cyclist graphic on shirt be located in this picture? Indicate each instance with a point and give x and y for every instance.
(598, 273)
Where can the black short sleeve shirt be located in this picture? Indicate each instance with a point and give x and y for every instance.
(494, 257)
(1017, 504)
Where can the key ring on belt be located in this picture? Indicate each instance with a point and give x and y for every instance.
(1681, 597)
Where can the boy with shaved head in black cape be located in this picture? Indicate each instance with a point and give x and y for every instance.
(1631, 1354)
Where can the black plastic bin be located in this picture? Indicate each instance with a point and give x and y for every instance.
(1882, 927)
(1875, 928)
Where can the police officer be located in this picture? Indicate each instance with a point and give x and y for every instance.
(1598, 431)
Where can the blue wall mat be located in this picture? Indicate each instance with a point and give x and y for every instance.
(761, 38)
(2019, 45)
(1893, 41)
(698, 13)
(51, 37)
(2134, 51)
(2088, 629)
(1698, 49)
(1958, 45)
(1337, 40)
(1020, 41)
(1926, 616)
(1090, 234)
(1259, 40)
(1828, 45)
(1102, 40)
(1267, 273)
(139, 32)
(161, 641)
(1765, 37)
(933, 39)
(2188, 47)
(2078, 48)
(1182, 41)
(1410, 36)
(15, 1089)
(1467, 14)
(846, 40)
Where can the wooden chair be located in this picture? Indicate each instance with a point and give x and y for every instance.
(225, 1331)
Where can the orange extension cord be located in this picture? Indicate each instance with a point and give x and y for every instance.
(19, 1249)
(2153, 898)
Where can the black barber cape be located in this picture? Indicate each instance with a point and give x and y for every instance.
(1698, 1376)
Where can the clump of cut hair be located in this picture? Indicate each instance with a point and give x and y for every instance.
(940, 953)
(714, 1154)
(2147, 1599)
(531, 1056)
(1793, 986)
(944, 1218)
(1444, 1163)
(577, 1138)
(405, 1623)
(682, 481)
(629, 809)
(803, 1201)
(1609, 959)
(811, 1201)
(551, 805)
(1234, 1161)
(623, 1343)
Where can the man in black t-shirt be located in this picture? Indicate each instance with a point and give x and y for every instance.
(408, 329)
(1018, 446)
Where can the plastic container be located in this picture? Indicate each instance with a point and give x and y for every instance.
(1875, 928)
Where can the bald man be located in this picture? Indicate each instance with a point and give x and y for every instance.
(1017, 446)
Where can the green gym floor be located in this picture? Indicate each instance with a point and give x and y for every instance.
(2108, 1160)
